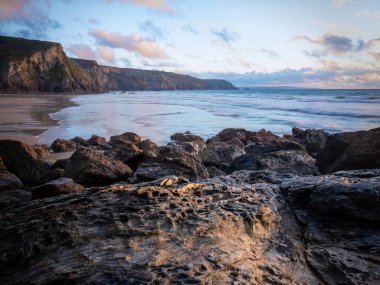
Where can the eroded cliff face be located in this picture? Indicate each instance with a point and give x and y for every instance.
(35, 66)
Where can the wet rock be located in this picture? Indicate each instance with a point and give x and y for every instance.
(9, 181)
(171, 160)
(244, 136)
(57, 187)
(127, 137)
(61, 145)
(80, 142)
(42, 150)
(23, 161)
(97, 141)
(350, 150)
(313, 140)
(10, 198)
(289, 161)
(149, 148)
(89, 167)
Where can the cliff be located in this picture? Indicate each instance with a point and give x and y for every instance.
(40, 66)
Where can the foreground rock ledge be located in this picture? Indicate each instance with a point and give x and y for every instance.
(251, 227)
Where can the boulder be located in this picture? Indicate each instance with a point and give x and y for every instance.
(11, 197)
(61, 145)
(244, 136)
(286, 161)
(149, 148)
(9, 181)
(79, 141)
(2, 166)
(313, 140)
(221, 154)
(171, 160)
(97, 141)
(350, 150)
(127, 137)
(261, 148)
(23, 161)
(187, 137)
(56, 187)
(214, 172)
(42, 150)
(90, 168)
(128, 153)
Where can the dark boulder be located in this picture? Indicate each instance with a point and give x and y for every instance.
(286, 161)
(127, 137)
(42, 150)
(2, 166)
(244, 136)
(187, 137)
(79, 141)
(11, 197)
(260, 148)
(97, 141)
(350, 150)
(23, 161)
(61, 145)
(149, 148)
(128, 153)
(313, 140)
(9, 181)
(56, 187)
(171, 160)
(90, 168)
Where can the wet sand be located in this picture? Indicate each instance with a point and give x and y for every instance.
(24, 117)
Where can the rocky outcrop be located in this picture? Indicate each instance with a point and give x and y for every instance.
(29, 66)
(350, 150)
(89, 167)
(61, 145)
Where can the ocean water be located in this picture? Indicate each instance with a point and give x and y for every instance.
(157, 115)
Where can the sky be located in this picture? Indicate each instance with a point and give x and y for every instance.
(303, 43)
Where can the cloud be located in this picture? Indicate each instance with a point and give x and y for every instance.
(82, 51)
(154, 31)
(133, 43)
(106, 54)
(188, 28)
(160, 5)
(270, 52)
(225, 35)
(30, 18)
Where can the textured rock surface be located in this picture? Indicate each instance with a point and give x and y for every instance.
(222, 230)
(56, 187)
(9, 181)
(90, 168)
(351, 150)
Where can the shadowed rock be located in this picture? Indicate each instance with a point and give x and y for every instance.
(10, 198)
(127, 137)
(56, 187)
(149, 148)
(9, 181)
(97, 141)
(350, 150)
(80, 141)
(61, 145)
(89, 167)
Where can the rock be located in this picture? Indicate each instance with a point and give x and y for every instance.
(260, 148)
(9, 181)
(214, 172)
(128, 153)
(222, 154)
(350, 150)
(57, 187)
(244, 136)
(80, 142)
(171, 160)
(97, 141)
(187, 137)
(289, 161)
(61, 145)
(89, 167)
(313, 140)
(42, 150)
(149, 148)
(10, 198)
(24, 162)
(127, 137)
(2, 166)
(61, 163)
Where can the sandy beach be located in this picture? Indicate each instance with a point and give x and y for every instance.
(29, 115)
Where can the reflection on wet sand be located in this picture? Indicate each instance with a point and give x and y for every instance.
(23, 117)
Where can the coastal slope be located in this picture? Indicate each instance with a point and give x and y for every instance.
(29, 66)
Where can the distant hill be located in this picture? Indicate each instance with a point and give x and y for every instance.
(39, 66)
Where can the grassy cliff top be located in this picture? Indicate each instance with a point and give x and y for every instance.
(16, 48)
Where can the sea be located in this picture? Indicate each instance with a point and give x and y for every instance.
(158, 115)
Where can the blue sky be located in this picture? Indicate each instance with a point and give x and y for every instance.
(324, 43)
